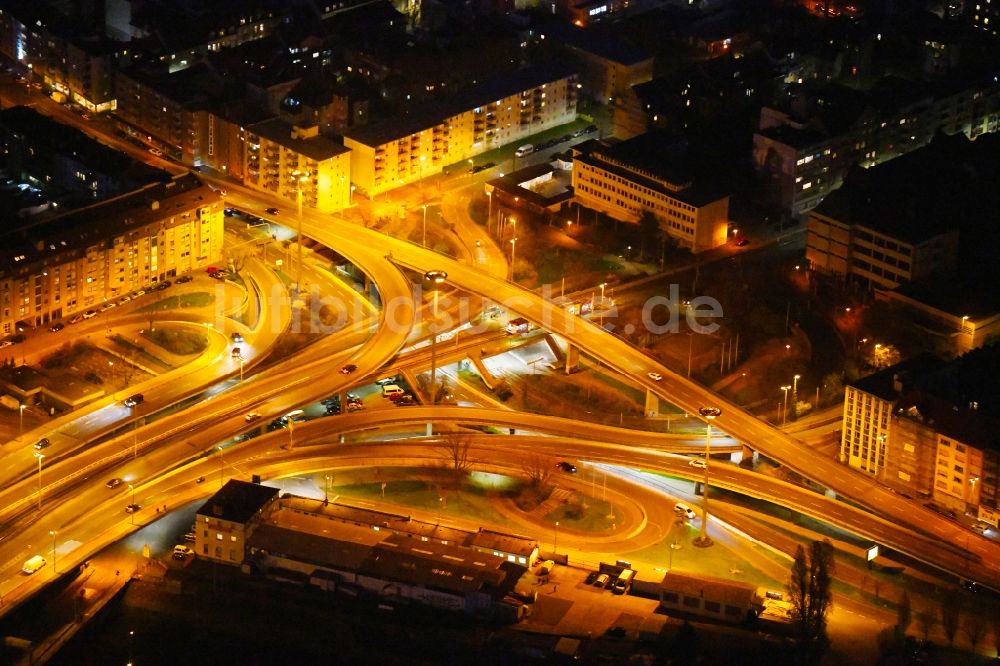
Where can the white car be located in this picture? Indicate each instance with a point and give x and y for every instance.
(655, 376)
(697, 462)
(252, 416)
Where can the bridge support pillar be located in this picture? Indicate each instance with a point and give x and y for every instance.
(572, 359)
(430, 429)
(652, 404)
(747, 456)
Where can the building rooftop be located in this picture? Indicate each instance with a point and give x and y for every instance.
(281, 132)
(504, 543)
(658, 161)
(707, 587)
(886, 383)
(596, 40)
(437, 112)
(333, 552)
(920, 195)
(238, 501)
(973, 298)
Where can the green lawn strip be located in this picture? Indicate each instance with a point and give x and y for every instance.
(471, 502)
(178, 341)
(586, 515)
(196, 299)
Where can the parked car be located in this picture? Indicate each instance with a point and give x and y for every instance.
(90, 314)
(184, 278)
(181, 552)
(18, 338)
(602, 580)
(107, 306)
(406, 399)
(163, 285)
(6, 343)
(76, 319)
(56, 327)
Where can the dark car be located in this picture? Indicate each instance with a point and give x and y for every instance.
(18, 338)
(56, 327)
(569, 468)
(348, 369)
(406, 399)
(164, 285)
(589, 129)
(113, 483)
(271, 211)
(132, 508)
(591, 577)
(237, 336)
(43, 443)
(133, 400)
(740, 242)
(184, 278)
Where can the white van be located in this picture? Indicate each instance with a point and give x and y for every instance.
(684, 510)
(392, 390)
(546, 568)
(623, 582)
(33, 565)
(526, 149)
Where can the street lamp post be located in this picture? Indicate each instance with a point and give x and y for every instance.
(20, 421)
(39, 456)
(602, 285)
(424, 235)
(52, 533)
(555, 540)
(436, 278)
(326, 490)
(784, 405)
(795, 396)
(513, 253)
(709, 414)
(489, 214)
(299, 179)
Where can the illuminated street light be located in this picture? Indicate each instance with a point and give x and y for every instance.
(513, 254)
(795, 396)
(39, 456)
(53, 533)
(489, 213)
(299, 177)
(709, 414)
(131, 514)
(424, 240)
(603, 285)
(20, 422)
(436, 278)
(784, 405)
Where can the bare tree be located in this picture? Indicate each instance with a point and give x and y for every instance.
(538, 469)
(455, 448)
(237, 261)
(951, 612)
(976, 624)
(810, 595)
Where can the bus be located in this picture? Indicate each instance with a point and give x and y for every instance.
(519, 326)
(623, 582)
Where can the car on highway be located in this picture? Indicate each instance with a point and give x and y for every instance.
(271, 211)
(386, 380)
(114, 483)
(33, 564)
(981, 527)
(655, 376)
(133, 400)
(156, 151)
(406, 399)
(252, 416)
(237, 337)
(237, 352)
(697, 462)
(132, 508)
(567, 467)
(56, 327)
(184, 278)
(43, 443)
(348, 369)
(90, 314)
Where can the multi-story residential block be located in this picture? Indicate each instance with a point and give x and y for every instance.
(652, 174)
(953, 316)
(73, 262)
(286, 160)
(225, 523)
(930, 428)
(389, 154)
(900, 221)
(807, 150)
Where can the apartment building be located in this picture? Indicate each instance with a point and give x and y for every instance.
(74, 262)
(929, 428)
(808, 149)
(284, 160)
(389, 154)
(652, 174)
(225, 523)
(900, 221)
